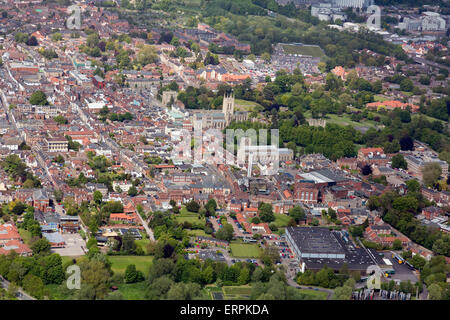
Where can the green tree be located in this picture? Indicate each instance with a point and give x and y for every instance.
(34, 286)
(398, 161)
(132, 192)
(413, 185)
(41, 246)
(297, 213)
(192, 206)
(38, 98)
(430, 173)
(397, 244)
(225, 233)
(435, 292)
(132, 275)
(52, 269)
(265, 212)
(98, 197)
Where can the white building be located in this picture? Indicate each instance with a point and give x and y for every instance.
(353, 3)
(432, 21)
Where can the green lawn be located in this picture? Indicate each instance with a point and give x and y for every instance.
(198, 232)
(379, 98)
(133, 291)
(239, 250)
(188, 216)
(181, 219)
(345, 120)
(120, 263)
(313, 294)
(66, 259)
(26, 235)
(244, 105)
(281, 220)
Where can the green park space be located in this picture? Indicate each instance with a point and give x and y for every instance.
(133, 291)
(191, 217)
(281, 220)
(120, 263)
(311, 294)
(244, 250)
(244, 105)
(197, 233)
(25, 235)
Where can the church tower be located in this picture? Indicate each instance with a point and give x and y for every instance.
(228, 107)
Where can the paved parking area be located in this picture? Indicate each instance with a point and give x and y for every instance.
(402, 272)
(75, 245)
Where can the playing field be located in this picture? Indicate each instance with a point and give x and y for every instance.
(120, 263)
(242, 250)
(306, 50)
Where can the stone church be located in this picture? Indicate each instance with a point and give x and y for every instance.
(206, 119)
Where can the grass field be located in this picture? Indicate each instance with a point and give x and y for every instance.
(239, 250)
(198, 232)
(306, 50)
(66, 259)
(379, 98)
(313, 294)
(237, 292)
(133, 291)
(244, 105)
(345, 120)
(188, 216)
(26, 235)
(281, 220)
(120, 263)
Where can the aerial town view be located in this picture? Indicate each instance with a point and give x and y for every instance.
(222, 150)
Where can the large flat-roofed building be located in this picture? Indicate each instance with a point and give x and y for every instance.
(417, 163)
(57, 144)
(314, 242)
(316, 247)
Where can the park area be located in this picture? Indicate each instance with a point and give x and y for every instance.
(281, 220)
(191, 217)
(244, 105)
(243, 293)
(120, 263)
(244, 250)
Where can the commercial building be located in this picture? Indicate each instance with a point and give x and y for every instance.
(312, 242)
(316, 247)
(417, 163)
(57, 144)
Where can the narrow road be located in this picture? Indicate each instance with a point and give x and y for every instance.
(22, 295)
(294, 284)
(147, 229)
